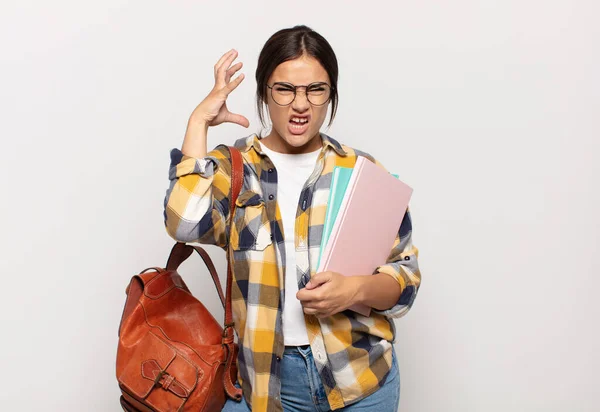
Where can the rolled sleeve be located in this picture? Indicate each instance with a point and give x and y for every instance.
(196, 203)
(182, 165)
(402, 264)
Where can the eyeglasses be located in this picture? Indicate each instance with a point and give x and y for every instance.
(284, 94)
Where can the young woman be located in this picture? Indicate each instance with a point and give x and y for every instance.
(300, 349)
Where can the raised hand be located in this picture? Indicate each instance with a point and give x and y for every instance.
(213, 110)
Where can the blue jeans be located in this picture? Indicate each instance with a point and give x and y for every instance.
(302, 390)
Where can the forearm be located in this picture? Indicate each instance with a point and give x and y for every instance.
(379, 291)
(194, 142)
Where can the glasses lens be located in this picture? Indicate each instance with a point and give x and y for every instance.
(319, 94)
(282, 94)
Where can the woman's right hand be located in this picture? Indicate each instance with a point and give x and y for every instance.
(213, 111)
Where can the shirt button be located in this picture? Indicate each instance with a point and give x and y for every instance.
(271, 197)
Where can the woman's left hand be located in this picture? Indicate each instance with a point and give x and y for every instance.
(328, 293)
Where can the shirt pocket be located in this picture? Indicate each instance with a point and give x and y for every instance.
(251, 227)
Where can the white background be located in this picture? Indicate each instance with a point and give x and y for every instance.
(489, 109)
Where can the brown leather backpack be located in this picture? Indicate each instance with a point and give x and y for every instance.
(173, 355)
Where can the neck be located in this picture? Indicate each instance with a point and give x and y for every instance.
(276, 143)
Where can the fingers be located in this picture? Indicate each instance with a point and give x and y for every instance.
(318, 279)
(311, 311)
(316, 312)
(231, 86)
(306, 295)
(232, 70)
(317, 307)
(312, 285)
(222, 66)
(222, 59)
(237, 118)
(224, 85)
(313, 305)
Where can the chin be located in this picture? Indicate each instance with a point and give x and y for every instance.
(298, 140)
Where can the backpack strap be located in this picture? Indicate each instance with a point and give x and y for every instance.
(237, 179)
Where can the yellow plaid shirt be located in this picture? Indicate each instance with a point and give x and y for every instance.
(353, 353)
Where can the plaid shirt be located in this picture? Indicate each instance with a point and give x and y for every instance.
(353, 353)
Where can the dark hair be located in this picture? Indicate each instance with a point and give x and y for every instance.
(289, 44)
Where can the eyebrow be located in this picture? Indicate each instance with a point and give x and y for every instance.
(315, 82)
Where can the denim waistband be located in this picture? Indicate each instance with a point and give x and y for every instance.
(304, 349)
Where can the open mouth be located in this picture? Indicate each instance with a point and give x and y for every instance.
(298, 125)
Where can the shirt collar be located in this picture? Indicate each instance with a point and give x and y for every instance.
(253, 141)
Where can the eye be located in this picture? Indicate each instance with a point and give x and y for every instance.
(284, 87)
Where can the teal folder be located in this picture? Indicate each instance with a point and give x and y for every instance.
(339, 182)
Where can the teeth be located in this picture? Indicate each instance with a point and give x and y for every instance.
(299, 120)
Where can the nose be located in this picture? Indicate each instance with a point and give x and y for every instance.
(301, 102)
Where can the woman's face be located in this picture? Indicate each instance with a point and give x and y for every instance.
(285, 136)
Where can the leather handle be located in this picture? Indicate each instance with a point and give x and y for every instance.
(182, 251)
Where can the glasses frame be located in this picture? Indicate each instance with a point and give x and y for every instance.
(305, 92)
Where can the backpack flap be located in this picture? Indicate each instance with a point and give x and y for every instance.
(157, 366)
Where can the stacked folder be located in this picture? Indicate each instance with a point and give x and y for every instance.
(364, 212)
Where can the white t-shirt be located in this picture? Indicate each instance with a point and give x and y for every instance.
(293, 170)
